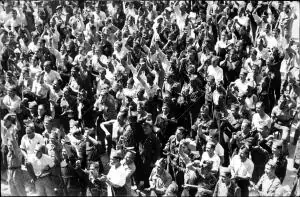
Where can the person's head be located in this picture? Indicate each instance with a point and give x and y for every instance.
(223, 35)
(8, 120)
(210, 148)
(14, 13)
(41, 110)
(122, 117)
(11, 91)
(277, 147)
(47, 66)
(147, 127)
(38, 150)
(33, 107)
(243, 153)
(56, 85)
(129, 157)
(246, 126)
(47, 122)
(259, 107)
(243, 75)
(130, 83)
(185, 146)
(282, 102)
(140, 107)
(270, 168)
(225, 175)
(234, 108)
(94, 169)
(215, 61)
(179, 133)
(204, 111)
(116, 157)
(160, 166)
(287, 8)
(165, 108)
(253, 54)
(53, 137)
(150, 79)
(42, 43)
(30, 128)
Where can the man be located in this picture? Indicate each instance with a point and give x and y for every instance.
(268, 183)
(12, 101)
(172, 146)
(50, 75)
(282, 116)
(210, 155)
(30, 140)
(116, 177)
(15, 175)
(214, 70)
(41, 165)
(260, 119)
(242, 169)
(226, 186)
(159, 179)
(149, 149)
(129, 167)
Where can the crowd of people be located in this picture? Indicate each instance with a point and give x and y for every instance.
(185, 98)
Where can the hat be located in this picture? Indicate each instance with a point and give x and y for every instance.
(116, 154)
(32, 105)
(224, 171)
(169, 9)
(58, 7)
(160, 163)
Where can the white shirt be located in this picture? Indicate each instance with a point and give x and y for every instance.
(215, 159)
(30, 144)
(241, 168)
(39, 164)
(216, 72)
(259, 123)
(50, 77)
(13, 104)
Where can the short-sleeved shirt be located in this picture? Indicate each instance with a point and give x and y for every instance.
(30, 144)
(39, 164)
(259, 123)
(241, 168)
(215, 159)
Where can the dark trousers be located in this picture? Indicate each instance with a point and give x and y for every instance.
(244, 184)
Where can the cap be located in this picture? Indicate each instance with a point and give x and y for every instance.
(58, 7)
(224, 171)
(116, 154)
(32, 105)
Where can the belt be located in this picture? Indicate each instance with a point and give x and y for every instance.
(14, 168)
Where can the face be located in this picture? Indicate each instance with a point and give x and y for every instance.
(179, 134)
(147, 129)
(29, 133)
(165, 110)
(275, 150)
(11, 93)
(243, 155)
(47, 124)
(47, 68)
(7, 123)
(245, 128)
(259, 108)
(41, 110)
(209, 149)
(129, 158)
(269, 170)
(121, 119)
(38, 153)
(114, 160)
